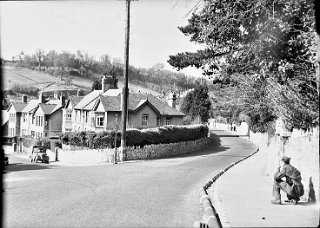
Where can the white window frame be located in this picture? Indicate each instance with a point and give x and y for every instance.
(145, 120)
(24, 117)
(98, 120)
(68, 115)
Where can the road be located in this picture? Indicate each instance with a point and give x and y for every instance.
(153, 193)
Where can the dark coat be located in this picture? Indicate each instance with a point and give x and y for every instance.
(293, 178)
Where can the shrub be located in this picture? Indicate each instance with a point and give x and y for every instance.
(135, 137)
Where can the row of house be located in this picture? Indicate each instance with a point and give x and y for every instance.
(99, 110)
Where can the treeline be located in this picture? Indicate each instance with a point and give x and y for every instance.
(82, 64)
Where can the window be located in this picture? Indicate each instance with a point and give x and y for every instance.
(33, 119)
(24, 132)
(99, 120)
(158, 120)
(11, 131)
(39, 121)
(24, 117)
(168, 120)
(85, 116)
(12, 117)
(32, 134)
(145, 119)
(69, 115)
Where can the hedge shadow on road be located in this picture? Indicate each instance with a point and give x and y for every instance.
(15, 167)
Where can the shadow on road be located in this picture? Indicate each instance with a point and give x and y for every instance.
(14, 167)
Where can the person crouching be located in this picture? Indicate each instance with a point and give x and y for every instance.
(292, 185)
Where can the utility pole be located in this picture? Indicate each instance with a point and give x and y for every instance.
(125, 91)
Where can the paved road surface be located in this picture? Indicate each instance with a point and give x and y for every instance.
(160, 192)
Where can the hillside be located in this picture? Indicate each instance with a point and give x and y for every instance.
(22, 77)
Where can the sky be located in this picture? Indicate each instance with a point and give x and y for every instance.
(98, 27)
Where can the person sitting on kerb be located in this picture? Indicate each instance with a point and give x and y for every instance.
(292, 185)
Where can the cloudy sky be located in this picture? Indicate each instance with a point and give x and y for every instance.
(98, 28)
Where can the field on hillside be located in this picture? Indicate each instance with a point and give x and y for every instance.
(12, 76)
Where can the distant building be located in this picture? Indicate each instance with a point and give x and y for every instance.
(36, 118)
(14, 112)
(101, 110)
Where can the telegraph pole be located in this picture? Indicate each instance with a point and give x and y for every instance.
(125, 91)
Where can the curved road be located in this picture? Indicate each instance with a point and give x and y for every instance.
(158, 193)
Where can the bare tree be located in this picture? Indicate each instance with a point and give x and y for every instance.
(40, 56)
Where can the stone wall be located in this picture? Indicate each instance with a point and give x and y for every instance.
(303, 148)
(99, 156)
(88, 156)
(169, 150)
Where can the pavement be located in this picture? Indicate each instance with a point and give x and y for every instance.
(151, 193)
(242, 198)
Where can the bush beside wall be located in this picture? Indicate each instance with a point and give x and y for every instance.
(135, 137)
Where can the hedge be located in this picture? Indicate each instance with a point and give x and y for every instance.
(46, 142)
(135, 137)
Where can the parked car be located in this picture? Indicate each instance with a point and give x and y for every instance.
(39, 153)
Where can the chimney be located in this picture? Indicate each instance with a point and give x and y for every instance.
(108, 82)
(41, 98)
(62, 100)
(24, 99)
(104, 84)
(55, 95)
(79, 92)
(172, 100)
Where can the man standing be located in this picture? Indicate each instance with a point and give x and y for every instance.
(292, 185)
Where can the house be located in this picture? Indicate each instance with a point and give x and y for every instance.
(101, 110)
(144, 111)
(26, 117)
(14, 112)
(69, 113)
(36, 118)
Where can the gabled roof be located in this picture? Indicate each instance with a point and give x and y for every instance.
(161, 106)
(59, 106)
(87, 99)
(112, 92)
(135, 102)
(18, 106)
(48, 108)
(74, 100)
(111, 104)
(32, 104)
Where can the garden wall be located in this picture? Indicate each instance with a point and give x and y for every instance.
(99, 156)
(301, 146)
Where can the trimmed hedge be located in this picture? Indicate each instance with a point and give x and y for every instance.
(51, 144)
(135, 137)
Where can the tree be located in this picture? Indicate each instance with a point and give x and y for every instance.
(51, 58)
(271, 41)
(40, 57)
(197, 103)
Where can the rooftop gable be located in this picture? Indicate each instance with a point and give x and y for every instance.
(32, 104)
(87, 99)
(18, 107)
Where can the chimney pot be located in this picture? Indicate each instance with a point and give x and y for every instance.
(24, 99)
(41, 97)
